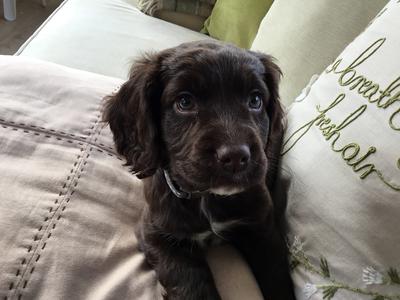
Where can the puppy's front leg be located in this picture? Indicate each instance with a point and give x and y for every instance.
(182, 270)
(266, 254)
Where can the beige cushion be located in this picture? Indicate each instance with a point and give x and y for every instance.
(341, 153)
(305, 36)
(68, 208)
(102, 36)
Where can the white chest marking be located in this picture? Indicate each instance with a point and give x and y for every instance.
(217, 228)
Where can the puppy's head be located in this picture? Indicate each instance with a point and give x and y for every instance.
(207, 112)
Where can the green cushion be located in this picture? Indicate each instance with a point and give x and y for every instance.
(236, 21)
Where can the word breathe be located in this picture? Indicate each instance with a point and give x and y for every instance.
(368, 89)
(352, 153)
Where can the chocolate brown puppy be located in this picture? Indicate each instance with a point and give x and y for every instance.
(201, 124)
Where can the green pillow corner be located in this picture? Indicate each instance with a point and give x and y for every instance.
(236, 21)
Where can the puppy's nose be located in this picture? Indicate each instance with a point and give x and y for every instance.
(233, 158)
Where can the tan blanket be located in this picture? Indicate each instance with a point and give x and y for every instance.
(68, 207)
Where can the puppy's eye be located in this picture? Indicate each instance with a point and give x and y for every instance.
(255, 101)
(185, 102)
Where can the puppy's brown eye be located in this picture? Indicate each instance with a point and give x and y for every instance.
(185, 102)
(255, 101)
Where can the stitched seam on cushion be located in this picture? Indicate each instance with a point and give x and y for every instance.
(98, 148)
(69, 137)
(27, 266)
(50, 223)
(39, 240)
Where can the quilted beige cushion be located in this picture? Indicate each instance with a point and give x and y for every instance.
(68, 207)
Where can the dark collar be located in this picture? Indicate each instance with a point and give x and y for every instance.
(178, 191)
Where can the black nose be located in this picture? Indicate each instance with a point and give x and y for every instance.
(233, 158)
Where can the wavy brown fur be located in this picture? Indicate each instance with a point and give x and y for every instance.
(153, 133)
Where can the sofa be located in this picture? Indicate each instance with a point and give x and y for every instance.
(68, 205)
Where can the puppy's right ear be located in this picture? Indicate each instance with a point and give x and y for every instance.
(134, 113)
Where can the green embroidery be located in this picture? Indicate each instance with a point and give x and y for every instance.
(329, 292)
(332, 286)
(394, 276)
(365, 87)
(306, 127)
(324, 267)
(372, 276)
(331, 132)
(391, 120)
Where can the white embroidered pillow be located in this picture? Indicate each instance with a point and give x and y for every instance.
(342, 155)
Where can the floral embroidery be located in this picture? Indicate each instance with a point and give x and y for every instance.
(370, 276)
(309, 290)
(298, 245)
(393, 276)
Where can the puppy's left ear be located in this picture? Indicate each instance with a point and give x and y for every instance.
(272, 77)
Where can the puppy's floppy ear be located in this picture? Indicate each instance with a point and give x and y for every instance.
(134, 116)
(275, 112)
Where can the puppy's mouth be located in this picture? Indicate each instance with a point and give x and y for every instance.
(206, 178)
(226, 184)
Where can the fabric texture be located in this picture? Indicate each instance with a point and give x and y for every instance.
(102, 36)
(201, 8)
(341, 157)
(236, 21)
(186, 20)
(68, 206)
(306, 36)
